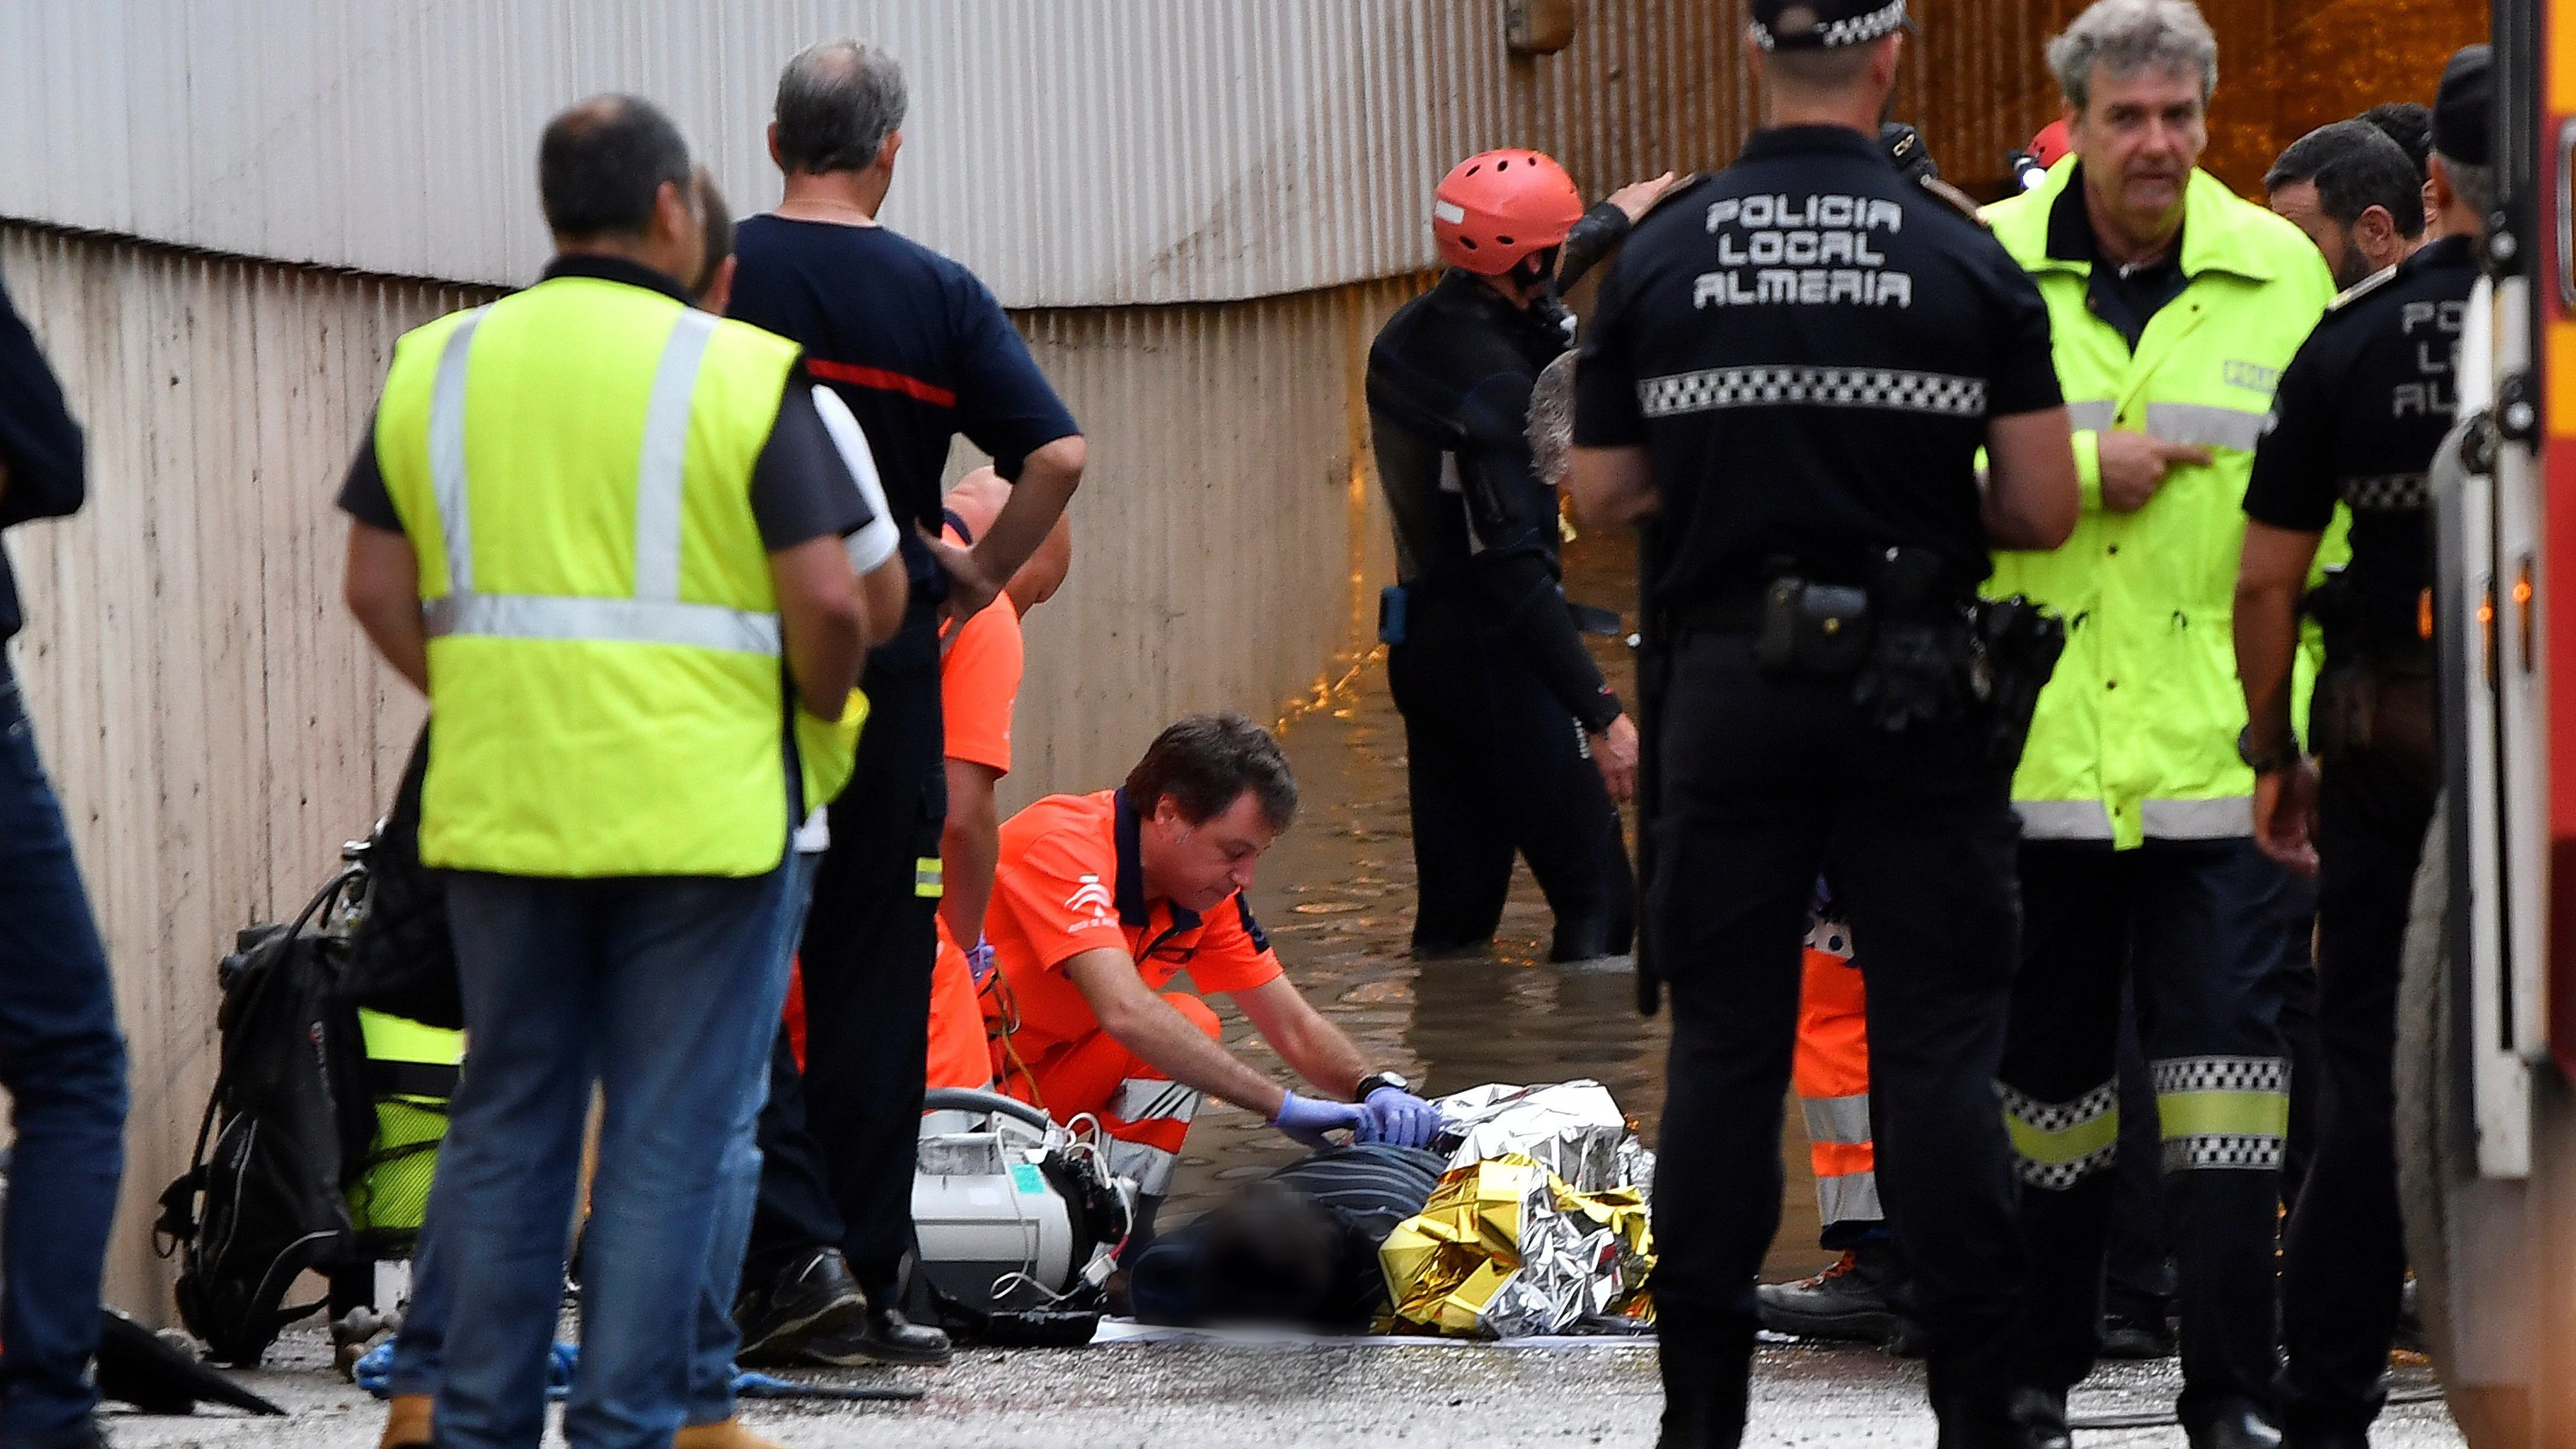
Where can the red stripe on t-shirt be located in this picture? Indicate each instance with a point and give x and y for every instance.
(882, 380)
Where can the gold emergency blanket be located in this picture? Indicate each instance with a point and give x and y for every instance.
(1505, 1249)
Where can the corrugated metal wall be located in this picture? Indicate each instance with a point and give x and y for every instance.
(1118, 151)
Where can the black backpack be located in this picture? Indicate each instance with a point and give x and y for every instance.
(262, 1200)
(401, 961)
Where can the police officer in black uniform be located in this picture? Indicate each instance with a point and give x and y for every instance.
(1792, 368)
(2361, 411)
(1514, 742)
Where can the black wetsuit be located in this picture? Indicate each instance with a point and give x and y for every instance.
(1497, 689)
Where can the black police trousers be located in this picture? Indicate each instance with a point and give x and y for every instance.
(2203, 925)
(1769, 781)
(2344, 1266)
(794, 1214)
(866, 954)
(1496, 767)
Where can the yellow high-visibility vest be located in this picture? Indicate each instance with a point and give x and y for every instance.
(2135, 735)
(573, 467)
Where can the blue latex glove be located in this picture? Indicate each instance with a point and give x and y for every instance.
(980, 962)
(1308, 1120)
(1399, 1118)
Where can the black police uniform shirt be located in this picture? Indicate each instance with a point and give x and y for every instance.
(800, 488)
(1810, 346)
(2360, 412)
(1449, 383)
(914, 343)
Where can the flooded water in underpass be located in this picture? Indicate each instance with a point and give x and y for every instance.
(1337, 896)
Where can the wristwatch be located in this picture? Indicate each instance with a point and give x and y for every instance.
(1375, 1080)
(2280, 759)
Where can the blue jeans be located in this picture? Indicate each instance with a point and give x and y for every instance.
(664, 990)
(711, 1368)
(63, 1062)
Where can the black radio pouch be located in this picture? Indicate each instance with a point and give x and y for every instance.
(1814, 629)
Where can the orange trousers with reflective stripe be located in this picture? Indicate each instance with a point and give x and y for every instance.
(1830, 1073)
(1085, 1076)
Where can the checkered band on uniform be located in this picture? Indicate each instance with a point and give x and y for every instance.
(2388, 493)
(1888, 388)
(1858, 30)
(2059, 1144)
(2223, 1112)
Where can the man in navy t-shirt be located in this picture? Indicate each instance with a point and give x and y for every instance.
(921, 352)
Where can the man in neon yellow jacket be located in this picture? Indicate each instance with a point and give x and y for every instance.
(2174, 306)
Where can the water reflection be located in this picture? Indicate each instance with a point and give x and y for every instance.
(1337, 896)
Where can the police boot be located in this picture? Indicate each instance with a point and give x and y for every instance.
(1851, 1300)
(2235, 1424)
(2036, 1419)
(1707, 1383)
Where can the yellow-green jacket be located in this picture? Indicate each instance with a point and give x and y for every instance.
(2135, 736)
(573, 467)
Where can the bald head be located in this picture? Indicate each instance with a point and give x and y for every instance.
(977, 500)
(602, 164)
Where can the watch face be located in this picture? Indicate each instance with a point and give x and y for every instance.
(1395, 1080)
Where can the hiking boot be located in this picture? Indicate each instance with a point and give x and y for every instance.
(1846, 1301)
(880, 1338)
(814, 1298)
(406, 1422)
(724, 1434)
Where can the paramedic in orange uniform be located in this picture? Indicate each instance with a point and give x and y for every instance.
(1100, 900)
(979, 680)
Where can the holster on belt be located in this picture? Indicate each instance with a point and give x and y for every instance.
(2375, 697)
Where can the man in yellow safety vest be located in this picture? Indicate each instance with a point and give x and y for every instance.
(602, 531)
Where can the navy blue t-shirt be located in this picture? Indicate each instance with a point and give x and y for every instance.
(917, 347)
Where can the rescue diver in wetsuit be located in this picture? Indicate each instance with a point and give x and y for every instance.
(1515, 743)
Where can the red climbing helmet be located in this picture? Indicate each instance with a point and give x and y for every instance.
(1497, 207)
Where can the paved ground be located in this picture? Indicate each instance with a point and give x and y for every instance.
(1186, 1396)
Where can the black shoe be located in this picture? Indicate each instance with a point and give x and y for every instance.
(814, 1298)
(2126, 1337)
(2236, 1425)
(1846, 1301)
(880, 1338)
(2036, 1419)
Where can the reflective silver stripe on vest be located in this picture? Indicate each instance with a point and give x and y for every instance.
(655, 615)
(447, 453)
(666, 447)
(2063, 819)
(2093, 416)
(616, 621)
(2204, 426)
(1850, 1198)
(2226, 818)
(1837, 1119)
